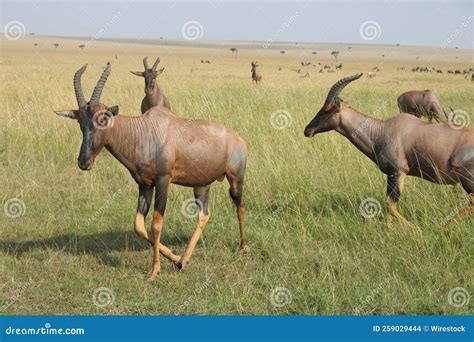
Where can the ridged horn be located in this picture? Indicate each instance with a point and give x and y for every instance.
(339, 85)
(81, 100)
(95, 98)
(156, 64)
(145, 63)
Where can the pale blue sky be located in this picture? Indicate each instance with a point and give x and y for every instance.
(429, 23)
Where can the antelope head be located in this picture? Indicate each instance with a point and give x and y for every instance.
(254, 65)
(150, 75)
(93, 118)
(329, 116)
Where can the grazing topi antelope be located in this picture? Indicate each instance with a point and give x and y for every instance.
(422, 103)
(402, 145)
(159, 148)
(154, 95)
(256, 76)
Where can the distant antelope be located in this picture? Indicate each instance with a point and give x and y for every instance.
(371, 74)
(256, 76)
(339, 66)
(422, 103)
(154, 95)
(402, 145)
(160, 148)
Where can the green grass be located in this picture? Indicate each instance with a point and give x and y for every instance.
(302, 200)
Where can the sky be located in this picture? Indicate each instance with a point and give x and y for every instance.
(447, 23)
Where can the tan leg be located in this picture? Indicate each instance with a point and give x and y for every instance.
(140, 227)
(142, 232)
(244, 248)
(157, 226)
(202, 221)
(395, 185)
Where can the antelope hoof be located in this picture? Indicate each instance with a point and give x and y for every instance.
(179, 265)
(244, 249)
(152, 275)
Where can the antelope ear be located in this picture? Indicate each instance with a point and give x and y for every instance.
(70, 114)
(114, 110)
(158, 72)
(137, 73)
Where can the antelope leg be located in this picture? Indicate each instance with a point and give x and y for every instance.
(201, 196)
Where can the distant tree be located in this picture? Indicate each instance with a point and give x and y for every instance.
(36, 44)
(314, 52)
(398, 44)
(335, 54)
(383, 56)
(56, 45)
(282, 52)
(349, 47)
(82, 46)
(234, 51)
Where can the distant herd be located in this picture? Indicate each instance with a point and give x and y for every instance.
(160, 148)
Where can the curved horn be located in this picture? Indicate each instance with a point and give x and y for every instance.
(156, 64)
(81, 100)
(95, 98)
(339, 85)
(145, 63)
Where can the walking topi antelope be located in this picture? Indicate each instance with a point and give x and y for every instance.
(154, 95)
(402, 145)
(256, 76)
(159, 148)
(422, 103)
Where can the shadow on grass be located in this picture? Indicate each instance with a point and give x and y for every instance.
(99, 245)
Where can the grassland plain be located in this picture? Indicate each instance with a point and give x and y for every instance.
(73, 251)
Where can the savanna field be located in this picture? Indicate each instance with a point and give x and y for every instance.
(72, 248)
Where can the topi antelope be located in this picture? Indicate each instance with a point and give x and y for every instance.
(402, 145)
(159, 148)
(422, 103)
(154, 95)
(256, 76)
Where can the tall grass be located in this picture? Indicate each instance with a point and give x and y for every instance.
(302, 196)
